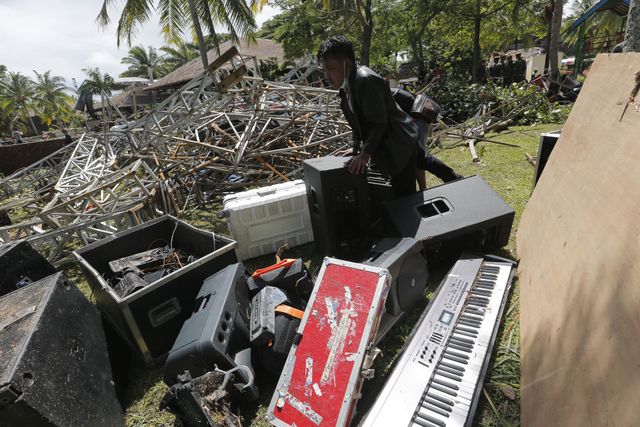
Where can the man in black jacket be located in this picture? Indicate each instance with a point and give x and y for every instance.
(387, 134)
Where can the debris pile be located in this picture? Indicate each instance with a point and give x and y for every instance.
(223, 131)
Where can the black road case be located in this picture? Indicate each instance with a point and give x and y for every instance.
(150, 318)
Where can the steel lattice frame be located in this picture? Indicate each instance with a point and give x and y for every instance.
(222, 123)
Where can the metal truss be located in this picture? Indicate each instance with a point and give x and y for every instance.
(90, 159)
(39, 175)
(224, 130)
(305, 72)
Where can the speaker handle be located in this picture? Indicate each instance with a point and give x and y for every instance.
(314, 200)
(164, 312)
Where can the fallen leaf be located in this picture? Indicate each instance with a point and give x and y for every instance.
(508, 392)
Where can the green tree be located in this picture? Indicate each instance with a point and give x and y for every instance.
(178, 54)
(600, 25)
(556, 24)
(97, 82)
(51, 100)
(301, 27)
(17, 97)
(143, 63)
(363, 12)
(179, 16)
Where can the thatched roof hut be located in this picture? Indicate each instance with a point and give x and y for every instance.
(261, 49)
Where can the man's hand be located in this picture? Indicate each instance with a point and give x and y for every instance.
(348, 152)
(358, 164)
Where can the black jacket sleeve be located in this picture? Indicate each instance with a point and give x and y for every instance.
(374, 111)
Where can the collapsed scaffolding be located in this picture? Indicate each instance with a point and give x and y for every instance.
(223, 131)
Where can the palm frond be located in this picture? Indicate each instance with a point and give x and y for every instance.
(173, 19)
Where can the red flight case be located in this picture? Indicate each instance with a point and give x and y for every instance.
(322, 377)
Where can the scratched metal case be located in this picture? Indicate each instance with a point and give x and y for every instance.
(321, 380)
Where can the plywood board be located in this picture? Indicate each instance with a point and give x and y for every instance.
(579, 245)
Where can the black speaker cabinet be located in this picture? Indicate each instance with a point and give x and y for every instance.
(546, 146)
(409, 274)
(21, 265)
(462, 214)
(54, 368)
(339, 207)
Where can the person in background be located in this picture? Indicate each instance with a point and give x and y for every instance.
(17, 135)
(519, 69)
(424, 160)
(381, 131)
(508, 70)
(497, 71)
(535, 74)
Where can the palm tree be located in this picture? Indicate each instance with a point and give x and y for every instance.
(179, 53)
(605, 24)
(97, 82)
(235, 15)
(143, 63)
(17, 96)
(50, 97)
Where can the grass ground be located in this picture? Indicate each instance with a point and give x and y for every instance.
(508, 172)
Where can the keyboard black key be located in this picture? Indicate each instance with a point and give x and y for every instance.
(439, 404)
(432, 420)
(462, 345)
(462, 339)
(435, 409)
(424, 423)
(444, 383)
(466, 331)
(448, 375)
(444, 390)
(441, 399)
(459, 347)
(443, 364)
(455, 358)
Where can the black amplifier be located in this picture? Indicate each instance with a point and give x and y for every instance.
(217, 333)
(339, 206)
(21, 265)
(54, 368)
(462, 214)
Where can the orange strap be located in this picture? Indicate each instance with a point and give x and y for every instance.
(284, 263)
(293, 312)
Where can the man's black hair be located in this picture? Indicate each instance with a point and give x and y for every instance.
(337, 47)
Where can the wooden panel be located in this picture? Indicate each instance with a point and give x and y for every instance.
(579, 244)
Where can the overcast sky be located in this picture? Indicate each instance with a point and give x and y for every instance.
(62, 36)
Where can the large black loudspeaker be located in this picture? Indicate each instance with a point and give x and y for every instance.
(339, 206)
(462, 214)
(54, 368)
(217, 333)
(408, 268)
(546, 146)
(21, 265)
